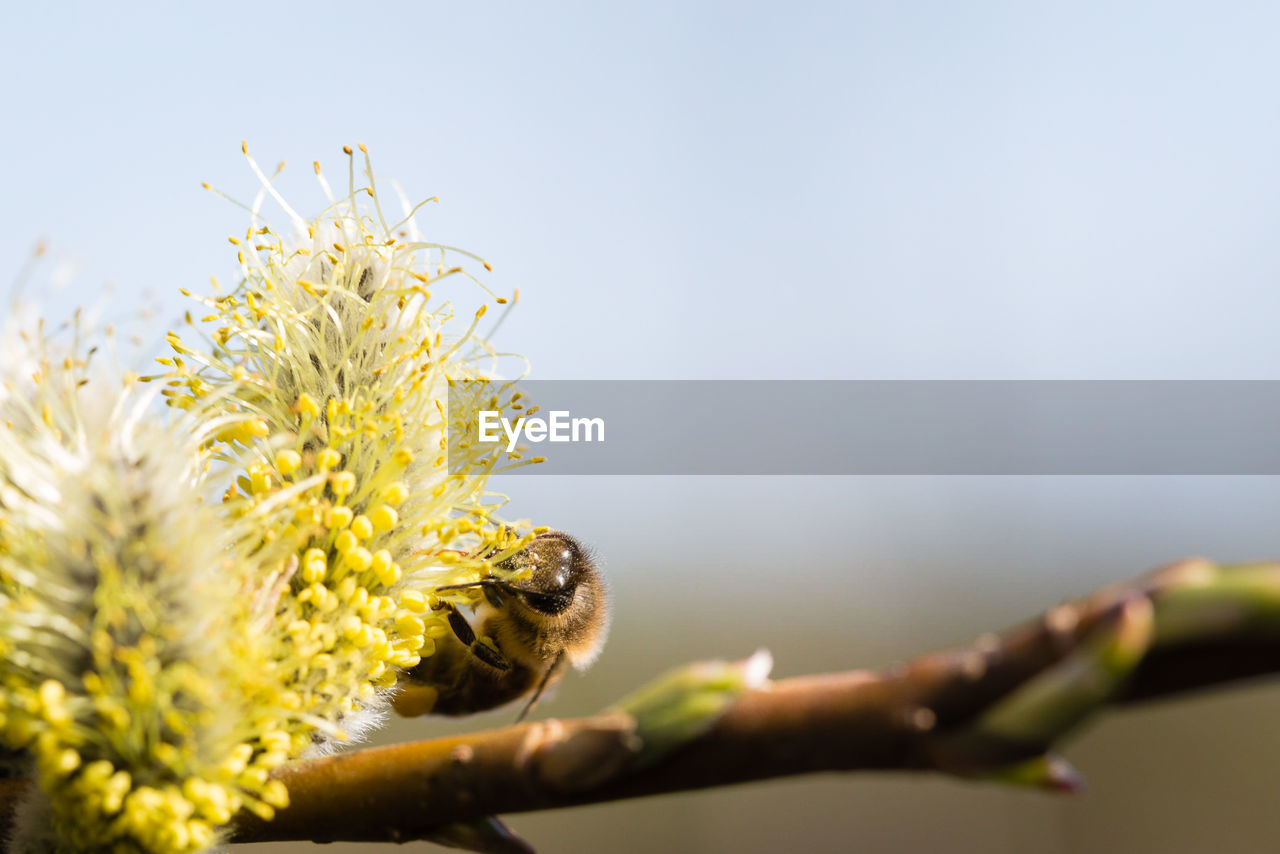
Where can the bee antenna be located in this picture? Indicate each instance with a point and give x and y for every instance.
(542, 686)
(484, 582)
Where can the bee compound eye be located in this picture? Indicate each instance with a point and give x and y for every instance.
(548, 603)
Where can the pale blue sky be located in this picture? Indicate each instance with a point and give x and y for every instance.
(877, 190)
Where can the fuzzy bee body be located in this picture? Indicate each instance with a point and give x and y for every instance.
(528, 631)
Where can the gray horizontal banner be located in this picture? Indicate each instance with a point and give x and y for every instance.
(872, 427)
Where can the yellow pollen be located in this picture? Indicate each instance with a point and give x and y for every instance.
(287, 462)
(357, 558)
(337, 517)
(362, 527)
(384, 518)
(343, 483)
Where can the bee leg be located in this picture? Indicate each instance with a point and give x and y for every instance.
(463, 631)
(547, 678)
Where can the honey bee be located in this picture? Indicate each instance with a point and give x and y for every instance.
(557, 614)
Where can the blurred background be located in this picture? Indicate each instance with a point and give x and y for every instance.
(892, 190)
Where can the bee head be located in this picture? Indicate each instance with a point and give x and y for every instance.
(559, 566)
(563, 595)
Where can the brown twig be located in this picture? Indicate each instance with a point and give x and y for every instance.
(993, 708)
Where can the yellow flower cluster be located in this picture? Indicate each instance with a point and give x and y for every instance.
(127, 675)
(163, 653)
(337, 359)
